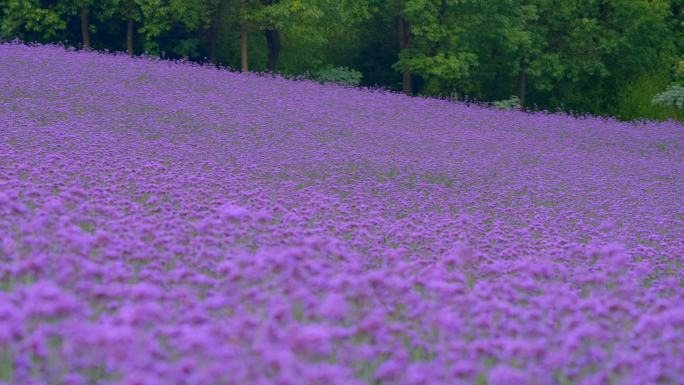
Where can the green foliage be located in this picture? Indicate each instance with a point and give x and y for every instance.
(20, 18)
(673, 96)
(602, 57)
(339, 75)
(307, 27)
(679, 72)
(513, 103)
(187, 48)
(635, 97)
(439, 53)
(670, 102)
(160, 16)
(594, 47)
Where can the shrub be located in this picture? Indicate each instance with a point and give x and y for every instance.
(635, 98)
(513, 103)
(339, 75)
(673, 96)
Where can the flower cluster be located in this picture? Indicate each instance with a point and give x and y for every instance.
(167, 223)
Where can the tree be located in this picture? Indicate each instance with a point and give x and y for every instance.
(85, 23)
(609, 44)
(596, 56)
(404, 34)
(130, 11)
(127, 11)
(505, 46)
(445, 41)
(673, 96)
(82, 9)
(244, 36)
(160, 16)
(272, 39)
(217, 7)
(394, 10)
(311, 22)
(29, 20)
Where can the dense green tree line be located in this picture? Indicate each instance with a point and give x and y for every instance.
(589, 56)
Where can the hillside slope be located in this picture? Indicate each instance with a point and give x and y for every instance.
(165, 223)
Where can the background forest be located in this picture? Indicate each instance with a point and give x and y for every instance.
(619, 58)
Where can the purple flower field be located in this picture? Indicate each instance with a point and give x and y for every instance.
(165, 223)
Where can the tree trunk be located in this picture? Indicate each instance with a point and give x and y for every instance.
(522, 80)
(129, 37)
(85, 25)
(243, 47)
(404, 32)
(273, 41)
(214, 35)
(406, 82)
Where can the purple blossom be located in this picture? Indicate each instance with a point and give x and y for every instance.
(166, 223)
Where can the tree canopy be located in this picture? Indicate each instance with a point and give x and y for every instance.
(585, 56)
